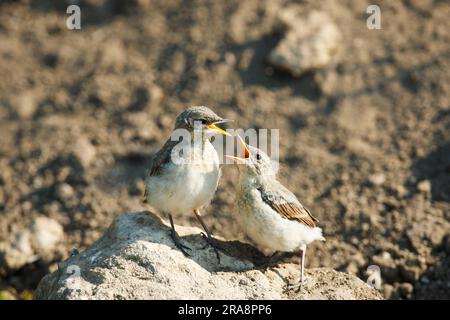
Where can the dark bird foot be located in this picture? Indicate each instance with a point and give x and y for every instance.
(297, 287)
(178, 244)
(210, 241)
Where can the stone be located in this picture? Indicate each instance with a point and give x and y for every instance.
(64, 191)
(388, 291)
(136, 259)
(84, 151)
(406, 290)
(377, 179)
(46, 234)
(424, 186)
(352, 268)
(156, 94)
(16, 253)
(113, 55)
(39, 240)
(311, 41)
(400, 190)
(431, 232)
(25, 104)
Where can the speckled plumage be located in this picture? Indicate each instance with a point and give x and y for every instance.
(268, 212)
(179, 188)
(182, 188)
(258, 210)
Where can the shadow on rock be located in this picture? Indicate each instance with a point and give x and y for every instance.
(232, 253)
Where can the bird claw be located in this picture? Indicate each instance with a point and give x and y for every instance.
(179, 245)
(297, 286)
(206, 238)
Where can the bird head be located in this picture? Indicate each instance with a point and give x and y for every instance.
(199, 117)
(253, 162)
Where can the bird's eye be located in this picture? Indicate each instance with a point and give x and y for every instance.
(203, 121)
(258, 156)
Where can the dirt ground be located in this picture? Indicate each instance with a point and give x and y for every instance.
(365, 143)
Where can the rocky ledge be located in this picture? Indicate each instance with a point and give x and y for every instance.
(136, 259)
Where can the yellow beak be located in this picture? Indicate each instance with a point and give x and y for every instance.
(245, 151)
(216, 128)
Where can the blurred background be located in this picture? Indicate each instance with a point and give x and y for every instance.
(364, 119)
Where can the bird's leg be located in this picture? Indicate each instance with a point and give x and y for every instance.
(301, 282)
(303, 266)
(269, 261)
(176, 238)
(208, 237)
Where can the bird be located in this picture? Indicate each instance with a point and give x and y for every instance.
(270, 214)
(184, 174)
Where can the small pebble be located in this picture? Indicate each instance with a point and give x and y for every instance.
(386, 255)
(425, 280)
(406, 289)
(243, 282)
(377, 179)
(424, 186)
(64, 191)
(401, 190)
(388, 291)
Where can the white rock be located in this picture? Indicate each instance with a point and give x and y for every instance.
(311, 41)
(377, 179)
(16, 253)
(424, 186)
(64, 191)
(136, 259)
(84, 151)
(25, 104)
(38, 241)
(46, 234)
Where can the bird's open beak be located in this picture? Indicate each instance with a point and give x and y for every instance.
(216, 128)
(245, 152)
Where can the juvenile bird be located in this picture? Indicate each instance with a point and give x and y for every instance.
(184, 174)
(268, 212)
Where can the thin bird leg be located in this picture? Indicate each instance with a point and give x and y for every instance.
(176, 238)
(303, 266)
(208, 237)
(301, 282)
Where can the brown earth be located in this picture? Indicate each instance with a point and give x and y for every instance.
(365, 143)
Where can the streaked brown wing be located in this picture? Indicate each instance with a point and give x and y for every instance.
(291, 210)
